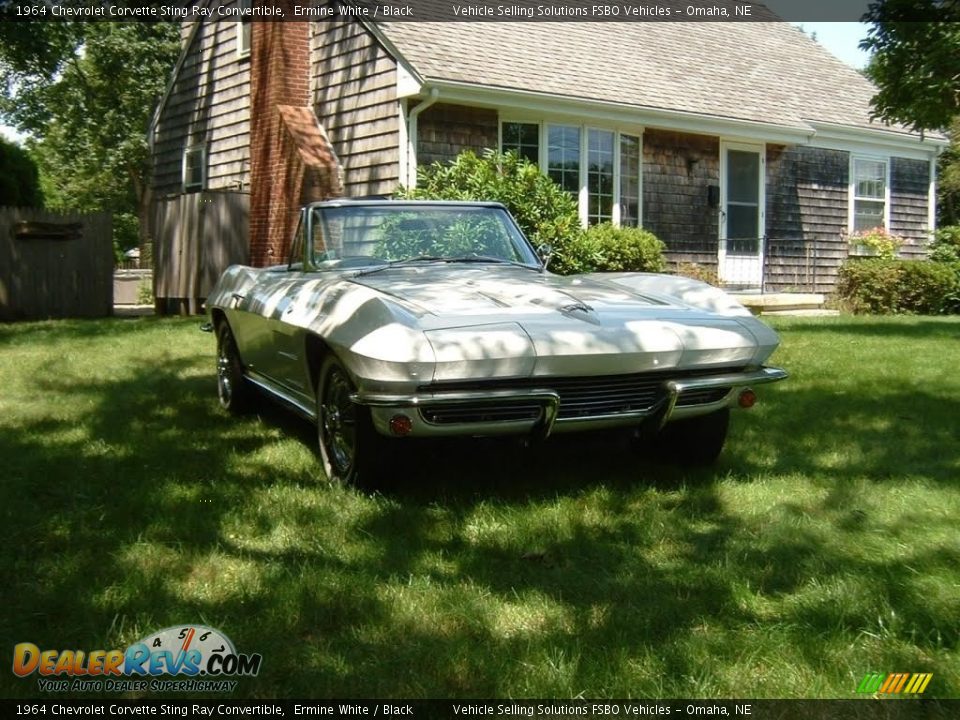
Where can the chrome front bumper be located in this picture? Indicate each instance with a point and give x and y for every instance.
(542, 405)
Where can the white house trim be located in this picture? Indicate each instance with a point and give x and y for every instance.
(932, 199)
(867, 141)
(736, 268)
(852, 188)
(518, 103)
(412, 133)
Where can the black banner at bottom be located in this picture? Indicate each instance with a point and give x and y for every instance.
(861, 709)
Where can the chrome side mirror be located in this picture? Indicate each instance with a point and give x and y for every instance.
(545, 251)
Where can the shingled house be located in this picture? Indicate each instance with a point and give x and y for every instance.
(746, 147)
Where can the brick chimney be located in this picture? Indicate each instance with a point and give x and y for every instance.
(290, 162)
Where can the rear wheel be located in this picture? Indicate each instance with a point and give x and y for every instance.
(235, 395)
(694, 441)
(350, 449)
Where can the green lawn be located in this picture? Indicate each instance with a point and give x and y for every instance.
(822, 546)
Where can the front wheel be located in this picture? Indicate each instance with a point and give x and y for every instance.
(694, 441)
(235, 395)
(351, 450)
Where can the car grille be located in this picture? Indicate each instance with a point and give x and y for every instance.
(580, 397)
(479, 413)
(702, 397)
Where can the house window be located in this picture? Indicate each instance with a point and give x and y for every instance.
(607, 186)
(630, 180)
(243, 31)
(869, 194)
(524, 138)
(563, 157)
(599, 176)
(194, 168)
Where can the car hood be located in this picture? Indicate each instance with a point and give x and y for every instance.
(442, 290)
(514, 321)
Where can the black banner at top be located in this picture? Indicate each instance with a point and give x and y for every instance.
(461, 10)
(486, 709)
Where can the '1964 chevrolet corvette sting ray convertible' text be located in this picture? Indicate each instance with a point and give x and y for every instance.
(399, 320)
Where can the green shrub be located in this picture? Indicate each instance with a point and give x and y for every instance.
(869, 285)
(126, 233)
(946, 245)
(404, 235)
(881, 286)
(608, 248)
(926, 288)
(145, 292)
(951, 301)
(543, 210)
(580, 254)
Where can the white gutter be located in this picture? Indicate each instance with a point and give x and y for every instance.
(528, 101)
(877, 139)
(412, 115)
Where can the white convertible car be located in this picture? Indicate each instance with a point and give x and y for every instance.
(398, 320)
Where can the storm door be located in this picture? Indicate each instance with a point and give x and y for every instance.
(740, 252)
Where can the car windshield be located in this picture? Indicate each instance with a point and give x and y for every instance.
(398, 233)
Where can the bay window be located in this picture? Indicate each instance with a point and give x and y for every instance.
(600, 168)
(563, 157)
(524, 138)
(599, 176)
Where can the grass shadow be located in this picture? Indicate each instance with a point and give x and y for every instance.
(574, 568)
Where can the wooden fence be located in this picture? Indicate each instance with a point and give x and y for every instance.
(55, 265)
(196, 237)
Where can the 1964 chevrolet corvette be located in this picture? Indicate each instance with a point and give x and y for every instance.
(397, 320)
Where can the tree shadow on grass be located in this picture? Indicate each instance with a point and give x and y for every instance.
(488, 571)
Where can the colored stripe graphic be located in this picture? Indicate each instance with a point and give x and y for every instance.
(871, 683)
(894, 683)
(918, 683)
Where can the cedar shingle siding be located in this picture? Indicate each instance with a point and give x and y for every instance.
(678, 170)
(807, 212)
(354, 90)
(209, 105)
(447, 130)
(909, 181)
(807, 193)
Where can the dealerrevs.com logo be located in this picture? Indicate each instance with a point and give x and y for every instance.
(197, 657)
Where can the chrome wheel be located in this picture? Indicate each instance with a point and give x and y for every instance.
(233, 394)
(350, 449)
(338, 418)
(224, 381)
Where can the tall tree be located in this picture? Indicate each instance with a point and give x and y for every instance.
(915, 65)
(948, 201)
(84, 92)
(19, 179)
